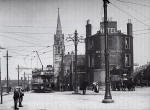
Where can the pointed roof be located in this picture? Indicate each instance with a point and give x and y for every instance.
(59, 29)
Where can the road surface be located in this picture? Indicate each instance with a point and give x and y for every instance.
(123, 100)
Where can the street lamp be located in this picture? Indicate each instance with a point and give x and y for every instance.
(107, 98)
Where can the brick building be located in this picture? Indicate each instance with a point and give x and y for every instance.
(120, 47)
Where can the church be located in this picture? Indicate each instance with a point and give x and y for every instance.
(58, 53)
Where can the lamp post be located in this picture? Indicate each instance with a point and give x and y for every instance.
(107, 97)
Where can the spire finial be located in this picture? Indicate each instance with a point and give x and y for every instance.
(58, 11)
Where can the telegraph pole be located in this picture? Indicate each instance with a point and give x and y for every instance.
(76, 40)
(18, 74)
(107, 97)
(1, 88)
(72, 68)
(24, 81)
(75, 44)
(1, 84)
(28, 84)
(7, 56)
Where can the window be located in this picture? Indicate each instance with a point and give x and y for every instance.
(113, 30)
(89, 63)
(58, 50)
(91, 44)
(127, 43)
(127, 60)
(92, 61)
(102, 30)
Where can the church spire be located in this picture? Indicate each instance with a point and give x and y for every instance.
(59, 29)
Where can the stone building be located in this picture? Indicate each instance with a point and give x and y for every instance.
(120, 47)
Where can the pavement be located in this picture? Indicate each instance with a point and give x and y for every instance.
(123, 100)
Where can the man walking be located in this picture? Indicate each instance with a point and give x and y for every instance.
(16, 97)
(21, 94)
(83, 87)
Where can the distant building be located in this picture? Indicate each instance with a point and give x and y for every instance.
(120, 50)
(58, 51)
(69, 69)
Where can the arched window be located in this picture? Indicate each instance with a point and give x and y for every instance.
(58, 50)
(127, 43)
(127, 60)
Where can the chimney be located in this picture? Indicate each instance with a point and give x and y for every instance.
(88, 29)
(129, 28)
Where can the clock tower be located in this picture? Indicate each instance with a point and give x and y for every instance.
(58, 52)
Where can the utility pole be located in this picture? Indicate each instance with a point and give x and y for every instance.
(24, 81)
(1, 84)
(72, 68)
(19, 69)
(75, 44)
(18, 74)
(7, 56)
(1, 88)
(28, 84)
(76, 40)
(107, 97)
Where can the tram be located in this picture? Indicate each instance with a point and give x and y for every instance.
(42, 80)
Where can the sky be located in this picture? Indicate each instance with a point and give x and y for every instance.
(29, 25)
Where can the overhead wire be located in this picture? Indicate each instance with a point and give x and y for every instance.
(23, 41)
(25, 32)
(130, 15)
(25, 37)
(135, 31)
(145, 5)
(135, 10)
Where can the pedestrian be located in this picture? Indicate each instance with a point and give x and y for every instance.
(16, 98)
(83, 87)
(21, 94)
(97, 88)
